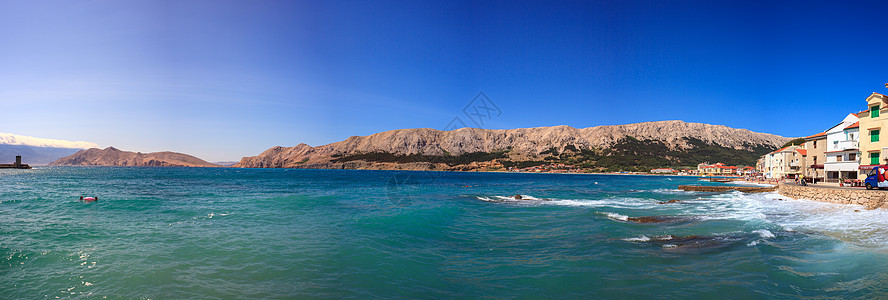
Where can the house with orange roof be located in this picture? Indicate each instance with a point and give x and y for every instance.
(873, 121)
(842, 158)
(785, 162)
(717, 169)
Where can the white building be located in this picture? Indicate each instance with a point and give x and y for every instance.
(842, 152)
(783, 163)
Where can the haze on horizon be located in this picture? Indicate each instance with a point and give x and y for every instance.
(226, 79)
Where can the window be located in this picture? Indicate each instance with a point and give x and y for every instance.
(874, 158)
(874, 135)
(874, 111)
(815, 144)
(838, 158)
(852, 156)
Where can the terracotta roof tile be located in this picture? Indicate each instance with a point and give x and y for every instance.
(816, 135)
(855, 125)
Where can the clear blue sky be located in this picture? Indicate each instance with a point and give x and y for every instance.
(226, 79)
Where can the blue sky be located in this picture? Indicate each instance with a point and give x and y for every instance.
(226, 79)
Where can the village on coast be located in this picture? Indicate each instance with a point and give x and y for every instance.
(837, 156)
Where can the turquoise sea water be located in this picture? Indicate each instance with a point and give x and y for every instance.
(278, 233)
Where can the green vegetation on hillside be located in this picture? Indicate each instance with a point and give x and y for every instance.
(631, 154)
(448, 159)
(627, 154)
(794, 142)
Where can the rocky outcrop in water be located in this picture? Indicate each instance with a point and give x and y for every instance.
(113, 157)
(658, 219)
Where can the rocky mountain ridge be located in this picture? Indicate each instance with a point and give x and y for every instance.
(523, 144)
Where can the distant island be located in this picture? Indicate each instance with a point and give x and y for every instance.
(632, 147)
(113, 157)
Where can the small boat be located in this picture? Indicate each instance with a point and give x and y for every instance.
(89, 199)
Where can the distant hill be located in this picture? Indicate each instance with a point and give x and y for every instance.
(603, 148)
(33, 155)
(37, 151)
(113, 157)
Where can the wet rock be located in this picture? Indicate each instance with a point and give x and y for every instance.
(745, 189)
(670, 201)
(657, 219)
(517, 197)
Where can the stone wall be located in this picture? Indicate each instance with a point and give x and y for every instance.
(871, 199)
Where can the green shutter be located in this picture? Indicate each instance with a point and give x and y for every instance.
(874, 111)
(874, 135)
(874, 158)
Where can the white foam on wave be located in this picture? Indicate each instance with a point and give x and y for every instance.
(613, 202)
(616, 216)
(671, 191)
(508, 198)
(764, 233)
(849, 223)
(638, 239)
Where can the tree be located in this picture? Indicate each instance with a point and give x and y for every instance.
(794, 142)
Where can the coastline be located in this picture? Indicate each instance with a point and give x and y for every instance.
(871, 199)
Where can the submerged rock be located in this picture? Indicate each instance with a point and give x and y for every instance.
(744, 189)
(670, 201)
(657, 219)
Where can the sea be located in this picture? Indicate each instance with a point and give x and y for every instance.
(211, 233)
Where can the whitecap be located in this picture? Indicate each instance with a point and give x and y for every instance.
(615, 202)
(638, 239)
(671, 191)
(764, 233)
(616, 216)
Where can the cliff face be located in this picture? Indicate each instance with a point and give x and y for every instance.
(113, 157)
(522, 142)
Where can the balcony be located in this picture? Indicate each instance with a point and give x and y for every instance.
(843, 145)
(849, 166)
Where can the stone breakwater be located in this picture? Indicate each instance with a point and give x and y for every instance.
(871, 199)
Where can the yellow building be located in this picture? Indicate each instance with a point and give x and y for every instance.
(816, 146)
(873, 121)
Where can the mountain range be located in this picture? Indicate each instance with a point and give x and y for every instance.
(617, 147)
